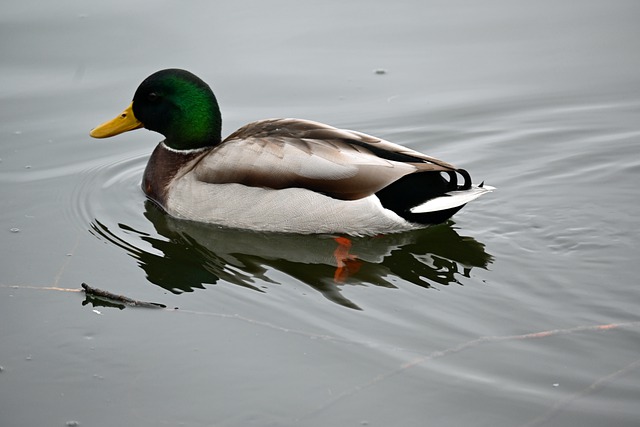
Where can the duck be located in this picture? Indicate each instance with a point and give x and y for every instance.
(282, 175)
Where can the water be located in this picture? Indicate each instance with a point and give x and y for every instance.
(522, 311)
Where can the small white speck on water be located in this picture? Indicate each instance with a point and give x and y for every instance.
(72, 423)
(17, 132)
(15, 230)
(28, 358)
(556, 385)
(27, 166)
(97, 312)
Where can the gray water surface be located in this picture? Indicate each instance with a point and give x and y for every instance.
(521, 311)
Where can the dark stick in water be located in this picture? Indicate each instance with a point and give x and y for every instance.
(119, 298)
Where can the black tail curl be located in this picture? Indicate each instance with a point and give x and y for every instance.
(453, 180)
(414, 189)
(467, 179)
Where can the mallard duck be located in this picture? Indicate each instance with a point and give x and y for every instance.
(282, 175)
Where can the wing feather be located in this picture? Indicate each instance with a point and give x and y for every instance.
(286, 153)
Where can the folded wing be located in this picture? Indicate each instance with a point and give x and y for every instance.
(285, 153)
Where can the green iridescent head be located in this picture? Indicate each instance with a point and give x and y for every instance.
(176, 104)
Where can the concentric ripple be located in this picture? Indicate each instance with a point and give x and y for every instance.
(110, 191)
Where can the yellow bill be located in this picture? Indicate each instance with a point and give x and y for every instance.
(123, 123)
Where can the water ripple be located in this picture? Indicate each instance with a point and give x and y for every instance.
(109, 190)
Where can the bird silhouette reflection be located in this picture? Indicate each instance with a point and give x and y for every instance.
(188, 255)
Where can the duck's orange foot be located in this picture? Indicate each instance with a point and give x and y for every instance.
(347, 263)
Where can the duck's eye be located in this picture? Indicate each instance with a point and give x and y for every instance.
(153, 97)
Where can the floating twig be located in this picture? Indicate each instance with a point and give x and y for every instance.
(99, 293)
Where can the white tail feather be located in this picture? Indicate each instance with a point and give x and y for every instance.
(452, 199)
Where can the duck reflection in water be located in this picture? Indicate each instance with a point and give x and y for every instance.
(190, 255)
